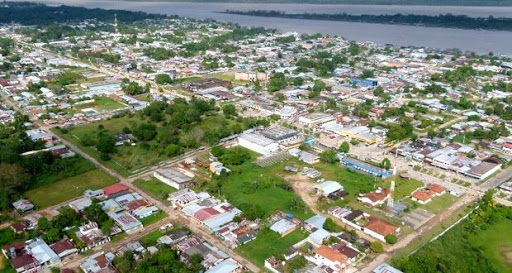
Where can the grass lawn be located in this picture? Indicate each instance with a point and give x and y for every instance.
(155, 188)
(255, 185)
(353, 182)
(101, 104)
(68, 188)
(440, 203)
(496, 244)
(403, 187)
(153, 218)
(150, 238)
(460, 138)
(269, 243)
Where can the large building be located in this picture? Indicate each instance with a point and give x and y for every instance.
(173, 178)
(280, 134)
(258, 143)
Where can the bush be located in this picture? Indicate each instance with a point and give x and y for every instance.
(377, 247)
(391, 239)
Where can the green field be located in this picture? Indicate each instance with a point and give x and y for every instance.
(155, 188)
(102, 104)
(403, 187)
(269, 243)
(153, 218)
(440, 203)
(496, 244)
(68, 188)
(257, 186)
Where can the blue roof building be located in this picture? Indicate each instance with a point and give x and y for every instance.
(356, 164)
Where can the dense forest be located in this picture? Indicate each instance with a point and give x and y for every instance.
(38, 14)
(442, 20)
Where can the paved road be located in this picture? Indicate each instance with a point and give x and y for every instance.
(494, 182)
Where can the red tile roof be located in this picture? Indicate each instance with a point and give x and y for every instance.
(205, 214)
(378, 196)
(422, 195)
(135, 204)
(436, 188)
(62, 245)
(331, 254)
(380, 226)
(112, 189)
(23, 260)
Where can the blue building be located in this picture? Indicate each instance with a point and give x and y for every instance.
(356, 164)
(362, 82)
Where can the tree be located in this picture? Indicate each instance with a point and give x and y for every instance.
(377, 247)
(386, 164)
(431, 133)
(331, 226)
(106, 143)
(163, 79)
(344, 147)
(229, 110)
(391, 239)
(328, 156)
(277, 82)
(12, 176)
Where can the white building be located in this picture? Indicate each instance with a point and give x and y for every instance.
(258, 143)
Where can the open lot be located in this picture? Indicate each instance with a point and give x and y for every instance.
(254, 185)
(153, 218)
(155, 188)
(68, 188)
(102, 104)
(269, 243)
(440, 203)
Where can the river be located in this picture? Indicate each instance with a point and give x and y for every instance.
(480, 41)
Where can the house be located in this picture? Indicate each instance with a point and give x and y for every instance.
(64, 248)
(328, 187)
(116, 190)
(42, 253)
(21, 226)
(280, 134)
(385, 268)
(23, 206)
(173, 178)
(125, 221)
(98, 263)
(315, 222)
(332, 258)
(309, 158)
(80, 204)
(98, 194)
(122, 139)
(375, 198)
(290, 253)
(422, 197)
(183, 197)
(283, 227)
(271, 264)
(226, 266)
(379, 228)
(91, 235)
(258, 143)
(217, 168)
(318, 236)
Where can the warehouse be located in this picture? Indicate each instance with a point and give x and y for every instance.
(280, 134)
(173, 178)
(258, 143)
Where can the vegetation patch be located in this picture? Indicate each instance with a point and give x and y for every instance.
(68, 188)
(269, 243)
